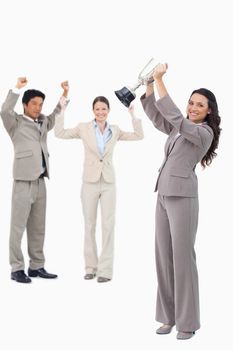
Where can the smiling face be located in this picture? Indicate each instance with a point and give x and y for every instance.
(33, 108)
(101, 111)
(197, 108)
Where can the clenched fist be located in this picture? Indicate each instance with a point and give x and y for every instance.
(21, 82)
(65, 87)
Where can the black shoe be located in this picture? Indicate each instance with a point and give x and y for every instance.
(20, 276)
(89, 276)
(103, 279)
(40, 273)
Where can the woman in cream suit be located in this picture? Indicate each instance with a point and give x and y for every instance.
(99, 139)
(190, 140)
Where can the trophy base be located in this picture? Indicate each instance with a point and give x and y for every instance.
(125, 96)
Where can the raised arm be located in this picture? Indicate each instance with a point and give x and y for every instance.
(200, 135)
(60, 106)
(149, 105)
(9, 116)
(137, 133)
(59, 130)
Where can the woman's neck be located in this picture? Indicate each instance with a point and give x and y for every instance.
(101, 125)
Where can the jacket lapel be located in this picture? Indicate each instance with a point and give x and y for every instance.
(91, 137)
(110, 142)
(42, 128)
(92, 142)
(171, 142)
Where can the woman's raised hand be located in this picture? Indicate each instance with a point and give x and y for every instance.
(160, 70)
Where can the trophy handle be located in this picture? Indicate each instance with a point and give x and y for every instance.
(148, 75)
(134, 87)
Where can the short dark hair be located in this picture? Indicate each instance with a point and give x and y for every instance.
(100, 99)
(29, 94)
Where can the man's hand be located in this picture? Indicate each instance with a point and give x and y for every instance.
(21, 82)
(65, 87)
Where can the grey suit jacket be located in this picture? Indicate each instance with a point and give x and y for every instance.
(177, 174)
(29, 142)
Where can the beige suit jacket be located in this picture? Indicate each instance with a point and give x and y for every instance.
(177, 173)
(29, 142)
(95, 164)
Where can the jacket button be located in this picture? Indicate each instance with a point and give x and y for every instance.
(101, 160)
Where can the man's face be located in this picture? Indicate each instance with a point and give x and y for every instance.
(34, 107)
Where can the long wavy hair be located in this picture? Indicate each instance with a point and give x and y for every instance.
(213, 120)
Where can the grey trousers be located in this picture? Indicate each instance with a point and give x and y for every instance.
(177, 294)
(28, 212)
(91, 195)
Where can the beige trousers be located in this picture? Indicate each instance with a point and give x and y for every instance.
(178, 297)
(105, 194)
(28, 212)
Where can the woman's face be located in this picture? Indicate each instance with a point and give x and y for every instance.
(101, 111)
(197, 108)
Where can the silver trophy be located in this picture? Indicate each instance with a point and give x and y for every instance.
(127, 94)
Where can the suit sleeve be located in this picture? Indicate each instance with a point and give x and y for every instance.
(61, 133)
(199, 135)
(137, 133)
(151, 110)
(9, 116)
(51, 118)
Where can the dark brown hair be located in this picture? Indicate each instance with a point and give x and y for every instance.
(100, 99)
(213, 120)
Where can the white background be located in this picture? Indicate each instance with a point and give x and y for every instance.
(100, 46)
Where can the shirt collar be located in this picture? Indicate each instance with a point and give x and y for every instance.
(39, 119)
(107, 126)
(28, 118)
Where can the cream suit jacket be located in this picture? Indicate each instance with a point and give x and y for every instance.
(29, 142)
(177, 174)
(94, 163)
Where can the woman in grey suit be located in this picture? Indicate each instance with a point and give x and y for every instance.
(190, 140)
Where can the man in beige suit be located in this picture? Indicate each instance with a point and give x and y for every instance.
(99, 139)
(28, 133)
